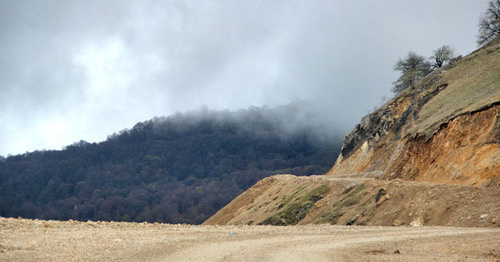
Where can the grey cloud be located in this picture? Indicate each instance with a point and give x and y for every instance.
(73, 70)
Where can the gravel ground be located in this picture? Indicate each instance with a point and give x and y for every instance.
(38, 240)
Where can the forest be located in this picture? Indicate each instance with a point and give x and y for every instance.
(177, 169)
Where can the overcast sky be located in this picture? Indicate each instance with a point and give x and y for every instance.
(81, 70)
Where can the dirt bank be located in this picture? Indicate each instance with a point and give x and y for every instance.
(290, 200)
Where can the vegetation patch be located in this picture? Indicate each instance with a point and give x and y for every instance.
(295, 207)
(288, 198)
(331, 216)
(347, 190)
(367, 217)
(351, 197)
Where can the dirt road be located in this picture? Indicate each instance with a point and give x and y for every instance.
(37, 240)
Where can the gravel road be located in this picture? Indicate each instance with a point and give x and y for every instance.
(38, 240)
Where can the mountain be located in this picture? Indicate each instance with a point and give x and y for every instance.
(429, 156)
(176, 169)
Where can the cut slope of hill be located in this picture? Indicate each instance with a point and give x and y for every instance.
(180, 169)
(444, 130)
(430, 156)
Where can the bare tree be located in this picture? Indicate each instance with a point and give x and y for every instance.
(442, 56)
(489, 23)
(413, 68)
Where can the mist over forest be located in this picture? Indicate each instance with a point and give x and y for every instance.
(176, 169)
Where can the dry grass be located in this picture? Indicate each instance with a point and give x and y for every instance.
(472, 84)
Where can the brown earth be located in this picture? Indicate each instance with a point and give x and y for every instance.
(37, 240)
(288, 200)
(463, 151)
(459, 153)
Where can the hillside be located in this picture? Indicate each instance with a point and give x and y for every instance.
(429, 156)
(445, 130)
(292, 200)
(179, 169)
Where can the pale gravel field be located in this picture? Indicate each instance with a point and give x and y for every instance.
(37, 240)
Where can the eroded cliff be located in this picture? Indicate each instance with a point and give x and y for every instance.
(444, 130)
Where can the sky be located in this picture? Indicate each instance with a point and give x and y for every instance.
(81, 70)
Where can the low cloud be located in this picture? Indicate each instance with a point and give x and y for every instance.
(77, 70)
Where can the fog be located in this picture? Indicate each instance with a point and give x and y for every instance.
(81, 70)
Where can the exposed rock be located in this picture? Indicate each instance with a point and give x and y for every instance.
(381, 192)
(397, 222)
(352, 221)
(446, 129)
(417, 222)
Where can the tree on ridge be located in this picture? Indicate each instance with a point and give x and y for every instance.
(489, 23)
(441, 56)
(413, 68)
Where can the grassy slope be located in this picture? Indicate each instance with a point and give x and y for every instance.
(472, 84)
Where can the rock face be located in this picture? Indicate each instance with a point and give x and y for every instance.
(444, 130)
(430, 156)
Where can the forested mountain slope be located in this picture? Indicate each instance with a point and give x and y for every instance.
(179, 169)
